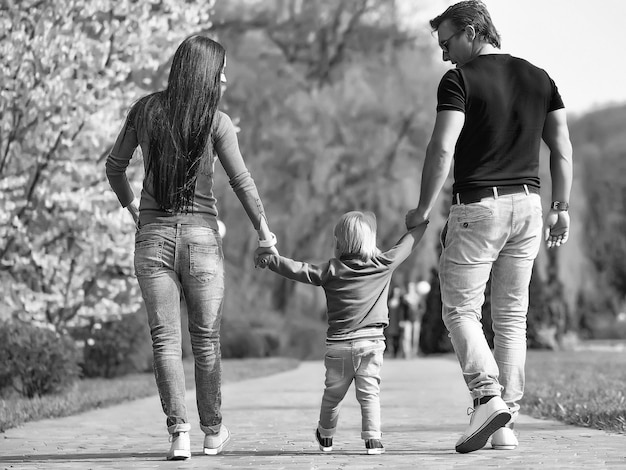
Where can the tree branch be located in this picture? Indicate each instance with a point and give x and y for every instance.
(391, 154)
(38, 172)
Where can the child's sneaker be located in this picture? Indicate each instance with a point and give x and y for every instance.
(181, 446)
(374, 447)
(215, 443)
(326, 443)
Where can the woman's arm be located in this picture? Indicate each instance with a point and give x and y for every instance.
(227, 149)
(119, 159)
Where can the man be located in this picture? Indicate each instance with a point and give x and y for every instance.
(492, 112)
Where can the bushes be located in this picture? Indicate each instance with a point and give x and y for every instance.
(118, 347)
(35, 360)
(239, 340)
(304, 338)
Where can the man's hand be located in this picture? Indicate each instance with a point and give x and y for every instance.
(556, 228)
(414, 218)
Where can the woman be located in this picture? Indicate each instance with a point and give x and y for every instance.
(178, 249)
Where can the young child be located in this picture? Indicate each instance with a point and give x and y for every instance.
(356, 284)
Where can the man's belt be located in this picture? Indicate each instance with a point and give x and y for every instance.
(475, 195)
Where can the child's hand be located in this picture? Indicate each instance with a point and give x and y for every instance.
(414, 218)
(261, 256)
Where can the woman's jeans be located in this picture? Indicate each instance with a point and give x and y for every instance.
(171, 260)
(346, 361)
(498, 237)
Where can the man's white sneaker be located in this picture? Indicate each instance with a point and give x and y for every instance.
(504, 438)
(181, 446)
(215, 443)
(486, 419)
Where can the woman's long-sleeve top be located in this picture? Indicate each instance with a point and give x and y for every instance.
(204, 210)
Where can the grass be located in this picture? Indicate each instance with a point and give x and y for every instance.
(583, 388)
(97, 393)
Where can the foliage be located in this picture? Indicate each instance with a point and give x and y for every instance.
(118, 347)
(601, 145)
(319, 148)
(36, 360)
(335, 101)
(98, 393)
(243, 343)
(69, 70)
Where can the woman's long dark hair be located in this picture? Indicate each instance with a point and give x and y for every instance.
(179, 121)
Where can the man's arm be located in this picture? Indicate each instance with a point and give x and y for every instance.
(437, 163)
(556, 137)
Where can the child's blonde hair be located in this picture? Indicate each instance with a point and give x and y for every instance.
(356, 235)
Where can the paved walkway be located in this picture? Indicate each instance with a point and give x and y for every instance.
(272, 421)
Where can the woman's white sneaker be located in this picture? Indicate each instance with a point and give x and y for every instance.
(181, 446)
(215, 443)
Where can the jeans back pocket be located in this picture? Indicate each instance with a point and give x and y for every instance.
(148, 257)
(204, 261)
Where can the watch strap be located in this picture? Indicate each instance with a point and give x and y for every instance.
(559, 206)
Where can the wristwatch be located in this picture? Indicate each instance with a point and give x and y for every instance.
(559, 206)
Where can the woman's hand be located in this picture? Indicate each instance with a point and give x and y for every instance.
(261, 256)
(134, 212)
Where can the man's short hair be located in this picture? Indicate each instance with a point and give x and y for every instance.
(470, 13)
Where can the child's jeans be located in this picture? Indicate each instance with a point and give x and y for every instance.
(360, 361)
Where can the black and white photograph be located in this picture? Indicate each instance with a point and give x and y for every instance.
(312, 234)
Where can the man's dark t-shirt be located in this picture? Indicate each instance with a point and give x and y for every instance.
(505, 100)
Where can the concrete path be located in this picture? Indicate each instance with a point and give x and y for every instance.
(424, 402)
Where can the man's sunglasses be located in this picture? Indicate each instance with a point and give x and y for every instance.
(444, 44)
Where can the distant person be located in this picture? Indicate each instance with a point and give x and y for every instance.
(392, 332)
(415, 305)
(406, 328)
(413, 313)
(493, 110)
(356, 284)
(178, 248)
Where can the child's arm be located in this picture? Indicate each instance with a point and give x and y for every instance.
(407, 243)
(295, 270)
(414, 235)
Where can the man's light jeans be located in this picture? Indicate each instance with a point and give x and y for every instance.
(360, 361)
(500, 237)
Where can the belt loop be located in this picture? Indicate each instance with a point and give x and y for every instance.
(458, 199)
(495, 192)
(526, 189)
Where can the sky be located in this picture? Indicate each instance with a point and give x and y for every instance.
(580, 43)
